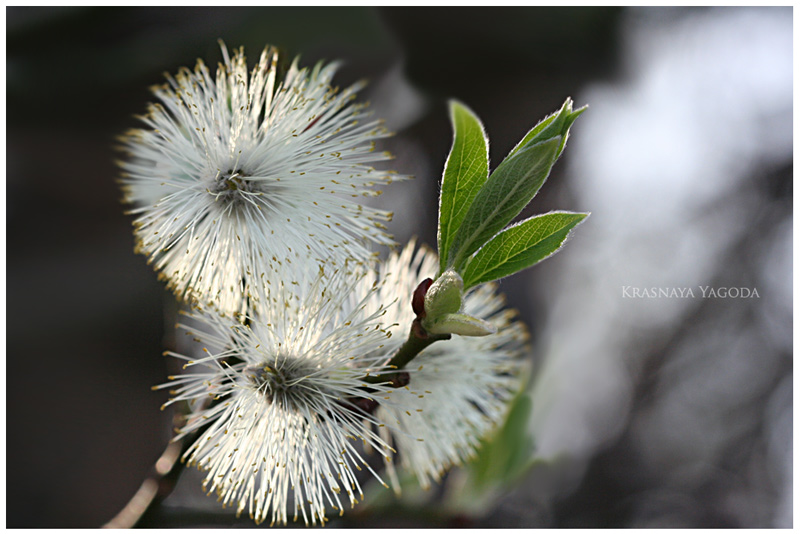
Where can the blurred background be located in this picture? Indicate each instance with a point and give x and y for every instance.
(647, 412)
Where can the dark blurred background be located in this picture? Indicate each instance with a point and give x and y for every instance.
(647, 412)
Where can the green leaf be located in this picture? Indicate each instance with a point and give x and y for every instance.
(517, 441)
(507, 454)
(509, 189)
(459, 323)
(558, 123)
(465, 171)
(521, 246)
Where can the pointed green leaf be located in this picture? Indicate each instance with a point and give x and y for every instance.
(517, 441)
(509, 189)
(465, 171)
(459, 323)
(521, 246)
(558, 123)
(506, 455)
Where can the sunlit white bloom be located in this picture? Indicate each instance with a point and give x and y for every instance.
(459, 389)
(281, 436)
(236, 173)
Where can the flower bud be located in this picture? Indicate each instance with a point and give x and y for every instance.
(444, 296)
(443, 304)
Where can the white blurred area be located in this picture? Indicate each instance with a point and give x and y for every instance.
(677, 158)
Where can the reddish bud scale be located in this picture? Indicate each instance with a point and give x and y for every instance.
(400, 379)
(418, 301)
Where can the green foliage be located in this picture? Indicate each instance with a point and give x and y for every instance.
(473, 210)
(508, 454)
(509, 189)
(520, 246)
(459, 323)
(556, 124)
(465, 171)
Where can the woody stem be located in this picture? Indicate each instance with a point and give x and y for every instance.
(418, 340)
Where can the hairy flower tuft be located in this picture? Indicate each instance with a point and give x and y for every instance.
(236, 173)
(277, 401)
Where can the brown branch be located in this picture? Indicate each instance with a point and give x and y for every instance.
(155, 487)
